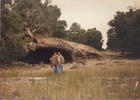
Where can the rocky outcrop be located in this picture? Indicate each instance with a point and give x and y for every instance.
(76, 50)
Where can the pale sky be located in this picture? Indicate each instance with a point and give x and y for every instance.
(93, 13)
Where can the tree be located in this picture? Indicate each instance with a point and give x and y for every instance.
(59, 29)
(91, 37)
(75, 28)
(21, 19)
(37, 17)
(52, 14)
(76, 33)
(112, 37)
(94, 38)
(10, 40)
(31, 14)
(124, 32)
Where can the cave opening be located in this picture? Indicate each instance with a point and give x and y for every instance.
(44, 54)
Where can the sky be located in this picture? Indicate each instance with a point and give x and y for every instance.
(93, 13)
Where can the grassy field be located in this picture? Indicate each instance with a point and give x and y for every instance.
(104, 79)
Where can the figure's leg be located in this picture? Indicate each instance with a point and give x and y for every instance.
(60, 67)
(55, 69)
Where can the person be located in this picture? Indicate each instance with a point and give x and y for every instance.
(61, 60)
(54, 62)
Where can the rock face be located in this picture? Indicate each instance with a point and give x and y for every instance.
(71, 50)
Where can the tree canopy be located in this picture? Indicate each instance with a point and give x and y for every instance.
(124, 34)
(94, 38)
(21, 19)
(90, 37)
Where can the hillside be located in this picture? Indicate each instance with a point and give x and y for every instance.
(43, 49)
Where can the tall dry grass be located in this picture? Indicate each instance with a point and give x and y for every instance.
(93, 82)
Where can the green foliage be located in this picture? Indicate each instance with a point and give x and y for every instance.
(79, 38)
(37, 17)
(91, 37)
(10, 39)
(112, 37)
(94, 38)
(11, 47)
(10, 22)
(75, 28)
(31, 13)
(26, 16)
(76, 33)
(59, 29)
(124, 33)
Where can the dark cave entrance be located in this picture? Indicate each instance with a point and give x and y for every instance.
(44, 54)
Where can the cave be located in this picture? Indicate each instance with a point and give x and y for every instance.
(44, 54)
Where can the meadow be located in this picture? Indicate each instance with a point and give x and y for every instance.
(97, 79)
